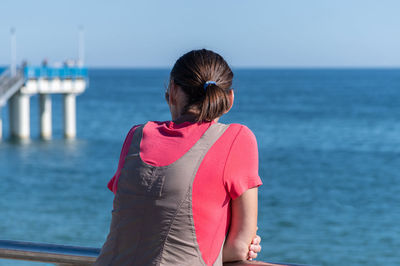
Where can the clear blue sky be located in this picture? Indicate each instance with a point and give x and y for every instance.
(154, 33)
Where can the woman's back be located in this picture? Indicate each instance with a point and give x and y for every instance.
(180, 198)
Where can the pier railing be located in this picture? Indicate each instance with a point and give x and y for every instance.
(36, 72)
(73, 255)
(9, 85)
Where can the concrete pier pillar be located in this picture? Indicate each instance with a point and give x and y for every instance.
(19, 116)
(69, 115)
(45, 116)
(11, 113)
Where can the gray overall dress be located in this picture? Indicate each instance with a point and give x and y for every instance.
(152, 221)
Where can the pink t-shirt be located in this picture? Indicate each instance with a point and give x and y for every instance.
(229, 168)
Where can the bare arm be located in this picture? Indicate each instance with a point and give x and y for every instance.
(243, 226)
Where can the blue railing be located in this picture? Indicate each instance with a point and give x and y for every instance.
(33, 72)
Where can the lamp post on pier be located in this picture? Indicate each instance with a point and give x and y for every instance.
(81, 47)
(13, 65)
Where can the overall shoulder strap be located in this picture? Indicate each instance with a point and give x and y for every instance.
(212, 134)
(136, 139)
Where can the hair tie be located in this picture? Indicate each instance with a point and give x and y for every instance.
(208, 83)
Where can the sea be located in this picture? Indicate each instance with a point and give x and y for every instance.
(329, 156)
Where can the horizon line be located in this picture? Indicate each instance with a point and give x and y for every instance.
(240, 67)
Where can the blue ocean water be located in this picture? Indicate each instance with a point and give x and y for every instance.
(329, 144)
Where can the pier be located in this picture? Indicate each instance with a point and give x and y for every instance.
(17, 85)
(16, 88)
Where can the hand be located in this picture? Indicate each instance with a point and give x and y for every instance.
(254, 248)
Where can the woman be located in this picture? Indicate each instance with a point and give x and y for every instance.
(186, 189)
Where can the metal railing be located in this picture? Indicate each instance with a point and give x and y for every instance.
(66, 72)
(50, 253)
(4, 75)
(73, 255)
(9, 85)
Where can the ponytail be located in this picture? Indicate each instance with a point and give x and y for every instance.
(216, 102)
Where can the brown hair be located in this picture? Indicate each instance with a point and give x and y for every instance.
(191, 72)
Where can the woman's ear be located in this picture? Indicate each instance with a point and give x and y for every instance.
(172, 93)
(231, 97)
(166, 95)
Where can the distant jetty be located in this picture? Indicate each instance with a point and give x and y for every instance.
(17, 85)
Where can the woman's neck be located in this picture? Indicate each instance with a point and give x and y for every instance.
(188, 117)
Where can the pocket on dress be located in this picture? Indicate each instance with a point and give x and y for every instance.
(152, 181)
(141, 180)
